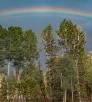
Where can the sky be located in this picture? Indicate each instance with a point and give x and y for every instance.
(37, 14)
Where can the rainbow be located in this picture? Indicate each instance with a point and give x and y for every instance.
(46, 9)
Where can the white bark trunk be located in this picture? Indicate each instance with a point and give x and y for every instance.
(8, 68)
(61, 81)
(72, 90)
(65, 96)
(72, 96)
(8, 73)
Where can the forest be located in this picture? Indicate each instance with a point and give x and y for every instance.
(68, 74)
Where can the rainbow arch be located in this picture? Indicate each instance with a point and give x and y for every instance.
(46, 9)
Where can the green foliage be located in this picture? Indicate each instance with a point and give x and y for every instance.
(29, 83)
(54, 84)
(11, 87)
(67, 69)
(3, 45)
(49, 42)
(3, 90)
(29, 46)
(8, 88)
(67, 73)
(88, 70)
(72, 39)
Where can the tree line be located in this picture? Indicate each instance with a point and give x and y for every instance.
(68, 77)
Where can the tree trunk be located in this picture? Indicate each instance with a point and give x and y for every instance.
(61, 84)
(72, 96)
(61, 81)
(8, 74)
(72, 90)
(78, 83)
(91, 97)
(65, 96)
